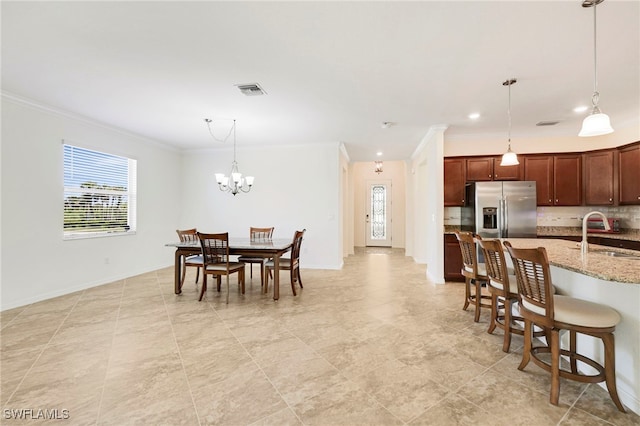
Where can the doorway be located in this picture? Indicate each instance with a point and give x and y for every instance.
(378, 214)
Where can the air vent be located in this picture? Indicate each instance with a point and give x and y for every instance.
(547, 123)
(252, 89)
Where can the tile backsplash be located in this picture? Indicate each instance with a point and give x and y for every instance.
(567, 216)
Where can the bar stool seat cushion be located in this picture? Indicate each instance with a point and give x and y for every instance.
(570, 310)
(482, 269)
(513, 284)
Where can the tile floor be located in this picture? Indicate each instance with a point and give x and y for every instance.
(373, 343)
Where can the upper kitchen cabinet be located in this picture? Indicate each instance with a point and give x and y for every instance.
(629, 174)
(567, 180)
(599, 167)
(454, 181)
(540, 169)
(479, 169)
(488, 168)
(505, 172)
(558, 178)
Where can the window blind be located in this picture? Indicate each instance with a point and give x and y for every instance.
(99, 193)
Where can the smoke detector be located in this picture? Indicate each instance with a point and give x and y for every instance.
(251, 89)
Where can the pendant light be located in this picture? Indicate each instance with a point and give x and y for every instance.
(509, 158)
(596, 123)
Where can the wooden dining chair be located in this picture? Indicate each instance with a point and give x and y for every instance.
(292, 264)
(257, 234)
(475, 274)
(541, 307)
(215, 253)
(190, 235)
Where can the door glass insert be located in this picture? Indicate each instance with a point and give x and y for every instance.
(378, 212)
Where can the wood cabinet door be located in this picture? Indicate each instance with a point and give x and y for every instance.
(629, 174)
(599, 178)
(452, 259)
(479, 169)
(540, 169)
(505, 172)
(454, 182)
(567, 180)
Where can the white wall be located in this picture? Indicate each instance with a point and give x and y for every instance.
(472, 145)
(347, 196)
(394, 171)
(427, 202)
(36, 263)
(295, 187)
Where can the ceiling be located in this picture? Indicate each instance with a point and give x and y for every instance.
(333, 71)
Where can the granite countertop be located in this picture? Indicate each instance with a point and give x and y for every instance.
(566, 254)
(568, 231)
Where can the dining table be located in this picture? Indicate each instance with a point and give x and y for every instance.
(266, 248)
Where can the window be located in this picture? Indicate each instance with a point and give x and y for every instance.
(99, 193)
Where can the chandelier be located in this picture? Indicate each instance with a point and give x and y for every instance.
(234, 183)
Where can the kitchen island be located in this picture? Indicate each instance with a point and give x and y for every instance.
(608, 280)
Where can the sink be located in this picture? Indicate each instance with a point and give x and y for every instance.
(611, 253)
(618, 254)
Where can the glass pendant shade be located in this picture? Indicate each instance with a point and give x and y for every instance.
(509, 158)
(595, 125)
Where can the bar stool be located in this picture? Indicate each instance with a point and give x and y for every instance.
(474, 274)
(539, 306)
(503, 288)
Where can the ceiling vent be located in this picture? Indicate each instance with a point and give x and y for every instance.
(252, 89)
(547, 123)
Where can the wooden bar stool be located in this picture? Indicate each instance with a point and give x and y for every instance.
(504, 291)
(539, 306)
(474, 274)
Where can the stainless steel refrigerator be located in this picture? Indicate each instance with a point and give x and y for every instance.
(501, 209)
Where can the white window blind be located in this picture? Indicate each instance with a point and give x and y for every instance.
(99, 193)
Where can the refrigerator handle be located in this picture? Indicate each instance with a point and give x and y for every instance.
(505, 221)
(500, 218)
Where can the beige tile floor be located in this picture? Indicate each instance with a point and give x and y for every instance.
(373, 343)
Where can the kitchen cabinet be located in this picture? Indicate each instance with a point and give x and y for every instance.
(454, 181)
(599, 178)
(558, 178)
(567, 180)
(505, 172)
(629, 174)
(540, 169)
(479, 169)
(452, 258)
(488, 168)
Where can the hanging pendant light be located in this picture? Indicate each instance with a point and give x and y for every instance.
(509, 158)
(596, 123)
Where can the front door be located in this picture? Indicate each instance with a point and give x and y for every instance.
(378, 220)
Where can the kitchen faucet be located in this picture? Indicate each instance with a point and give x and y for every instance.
(584, 246)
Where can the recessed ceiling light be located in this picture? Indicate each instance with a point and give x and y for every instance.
(474, 115)
(582, 108)
(379, 153)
